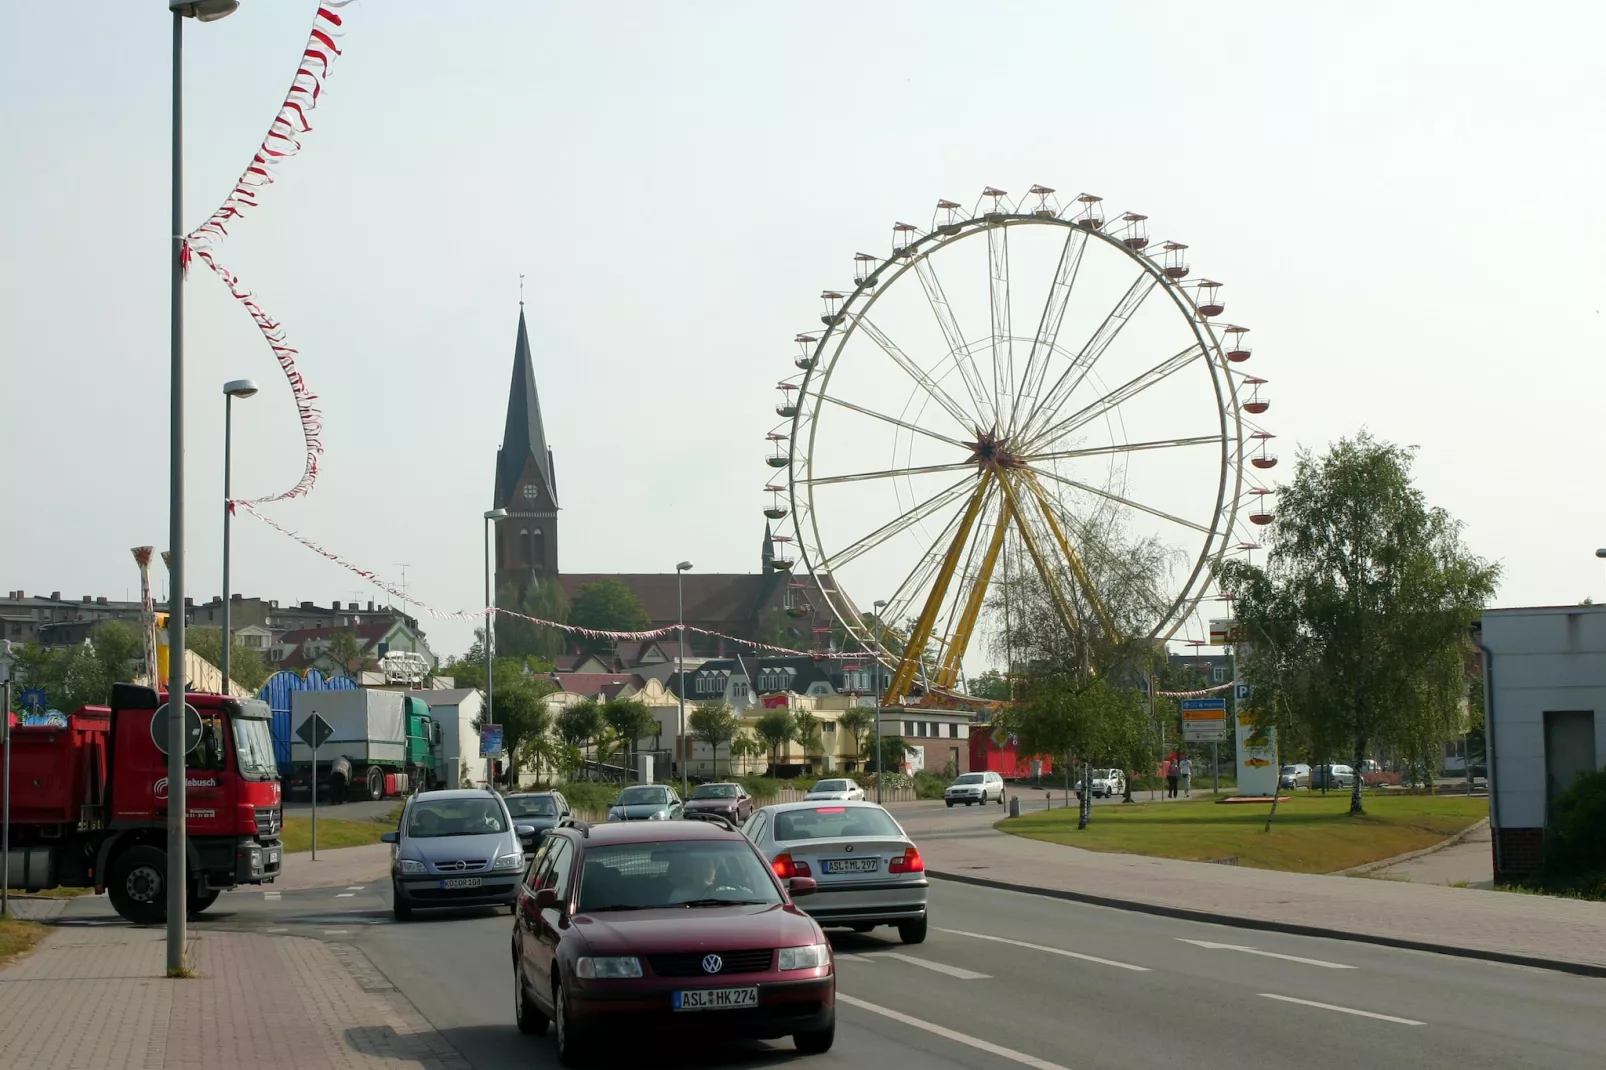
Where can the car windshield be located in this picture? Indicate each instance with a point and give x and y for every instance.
(1290, 769)
(253, 747)
(834, 822)
(642, 796)
(831, 785)
(715, 791)
(532, 806)
(684, 873)
(970, 778)
(455, 817)
(1102, 774)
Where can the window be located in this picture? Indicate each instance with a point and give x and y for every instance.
(953, 730)
(562, 865)
(908, 728)
(250, 642)
(834, 822)
(1221, 674)
(739, 689)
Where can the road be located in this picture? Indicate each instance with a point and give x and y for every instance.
(1008, 980)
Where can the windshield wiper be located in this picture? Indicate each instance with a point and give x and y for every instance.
(721, 903)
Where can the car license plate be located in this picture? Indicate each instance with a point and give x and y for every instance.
(715, 999)
(462, 882)
(851, 865)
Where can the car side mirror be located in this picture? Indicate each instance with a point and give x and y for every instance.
(546, 899)
(390, 837)
(797, 886)
(524, 831)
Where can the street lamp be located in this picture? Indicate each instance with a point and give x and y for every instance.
(234, 388)
(880, 679)
(177, 806)
(491, 517)
(680, 667)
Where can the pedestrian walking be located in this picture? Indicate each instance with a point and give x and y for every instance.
(1185, 768)
(1171, 773)
(339, 777)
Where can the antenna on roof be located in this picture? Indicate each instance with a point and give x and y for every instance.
(521, 289)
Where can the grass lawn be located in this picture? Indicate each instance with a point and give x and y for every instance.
(1310, 835)
(335, 832)
(17, 936)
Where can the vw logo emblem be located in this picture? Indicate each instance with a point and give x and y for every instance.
(713, 964)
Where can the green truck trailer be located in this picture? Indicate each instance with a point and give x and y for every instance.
(385, 742)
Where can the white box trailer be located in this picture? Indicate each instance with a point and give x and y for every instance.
(368, 726)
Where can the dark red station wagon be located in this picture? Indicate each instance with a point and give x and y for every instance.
(632, 930)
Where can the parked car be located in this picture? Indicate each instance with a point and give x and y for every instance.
(972, 788)
(867, 870)
(630, 931)
(457, 848)
(1107, 783)
(1332, 777)
(1294, 776)
(729, 801)
(646, 802)
(836, 789)
(538, 810)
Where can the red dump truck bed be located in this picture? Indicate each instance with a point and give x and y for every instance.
(58, 767)
(987, 754)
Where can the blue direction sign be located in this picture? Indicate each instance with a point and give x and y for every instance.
(32, 698)
(1205, 704)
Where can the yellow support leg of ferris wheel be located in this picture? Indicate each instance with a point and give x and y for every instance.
(1071, 557)
(904, 676)
(1062, 605)
(949, 675)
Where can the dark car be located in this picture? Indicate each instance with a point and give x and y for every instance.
(454, 849)
(729, 801)
(645, 802)
(539, 810)
(634, 931)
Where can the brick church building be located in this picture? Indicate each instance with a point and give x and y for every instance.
(740, 604)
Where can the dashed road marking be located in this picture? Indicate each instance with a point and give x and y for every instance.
(949, 1034)
(1336, 1007)
(938, 967)
(1047, 950)
(278, 930)
(355, 887)
(272, 895)
(1269, 954)
(336, 932)
(344, 895)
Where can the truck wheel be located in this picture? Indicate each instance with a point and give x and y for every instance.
(197, 900)
(138, 885)
(376, 783)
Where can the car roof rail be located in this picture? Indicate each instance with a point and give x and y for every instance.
(702, 816)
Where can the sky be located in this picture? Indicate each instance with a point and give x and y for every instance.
(1403, 201)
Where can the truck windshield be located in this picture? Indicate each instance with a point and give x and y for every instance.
(253, 747)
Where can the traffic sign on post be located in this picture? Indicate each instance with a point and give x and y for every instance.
(1204, 720)
(192, 728)
(1241, 692)
(315, 731)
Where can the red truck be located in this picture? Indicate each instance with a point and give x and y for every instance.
(991, 755)
(89, 802)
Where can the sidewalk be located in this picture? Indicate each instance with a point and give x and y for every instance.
(93, 998)
(1528, 929)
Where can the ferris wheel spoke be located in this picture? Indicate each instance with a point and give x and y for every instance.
(1003, 342)
(954, 338)
(1062, 605)
(1048, 325)
(1120, 499)
(944, 497)
(1126, 447)
(1079, 571)
(893, 420)
(1119, 396)
(1064, 387)
(913, 370)
(821, 481)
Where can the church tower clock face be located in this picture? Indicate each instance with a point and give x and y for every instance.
(531, 492)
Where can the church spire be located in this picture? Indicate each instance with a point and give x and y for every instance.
(524, 436)
(767, 551)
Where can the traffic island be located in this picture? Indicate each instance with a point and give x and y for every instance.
(17, 937)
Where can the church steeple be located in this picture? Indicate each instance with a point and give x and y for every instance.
(766, 554)
(526, 542)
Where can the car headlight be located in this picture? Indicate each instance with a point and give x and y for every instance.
(810, 957)
(661, 815)
(408, 865)
(508, 862)
(622, 966)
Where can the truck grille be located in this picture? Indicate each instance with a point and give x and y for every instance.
(269, 822)
(691, 965)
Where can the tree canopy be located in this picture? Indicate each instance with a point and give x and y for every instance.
(715, 725)
(516, 637)
(610, 606)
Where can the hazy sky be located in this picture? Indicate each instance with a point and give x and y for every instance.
(1404, 201)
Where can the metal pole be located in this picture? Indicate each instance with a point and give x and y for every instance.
(880, 683)
(680, 668)
(490, 651)
(177, 804)
(228, 448)
(315, 789)
(1160, 742)
(5, 797)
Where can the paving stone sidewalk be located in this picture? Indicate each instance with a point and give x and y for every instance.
(92, 998)
(1485, 923)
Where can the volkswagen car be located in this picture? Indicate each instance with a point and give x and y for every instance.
(455, 848)
(972, 788)
(835, 788)
(645, 802)
(540, 810)
(729, 801)
(627, 932)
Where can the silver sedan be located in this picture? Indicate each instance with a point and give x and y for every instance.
(868, 870)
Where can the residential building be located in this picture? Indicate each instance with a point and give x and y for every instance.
(308, 648)
(56, 621)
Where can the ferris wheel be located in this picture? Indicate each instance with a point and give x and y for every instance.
(1021, 388)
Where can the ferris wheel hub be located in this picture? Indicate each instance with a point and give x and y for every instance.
(992, 450)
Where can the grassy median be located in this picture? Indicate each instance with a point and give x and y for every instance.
(1311, 834)
(17, 936)
(336, 832)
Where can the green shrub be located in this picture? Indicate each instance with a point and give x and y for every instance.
(1575, 838)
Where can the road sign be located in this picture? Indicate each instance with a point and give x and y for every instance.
(315, 731)
(161, 733)
(1200, 704)
(1241, 691)
(1204, 720)
(490, 741)
(32, 698)
(1204, 731)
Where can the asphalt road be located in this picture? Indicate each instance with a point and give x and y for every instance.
(1009, 980)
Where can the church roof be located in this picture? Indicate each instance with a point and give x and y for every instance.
(735, 598)
(524, 435)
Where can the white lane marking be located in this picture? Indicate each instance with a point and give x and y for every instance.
(1047, 949)
(344, 895)
(852, 957)
(355, 887)
(271, 895)
(1335, 1007)
(1268, 954)
(938, 967)
(278, 930)
(336, 932)
(949, 1034)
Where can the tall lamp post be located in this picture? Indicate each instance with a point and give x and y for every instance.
(680, 667)
(880, 679)
(234, 388)
(177, 878)
(491, 517)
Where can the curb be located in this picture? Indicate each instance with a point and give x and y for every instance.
(1586, 969)
(1372, 867)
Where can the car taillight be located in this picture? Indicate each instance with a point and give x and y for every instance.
(911, 862)
(786, 868)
